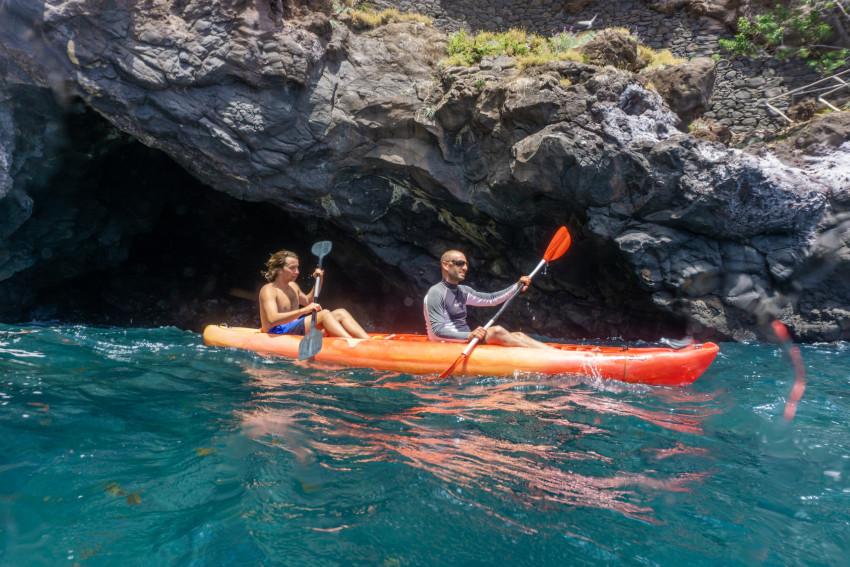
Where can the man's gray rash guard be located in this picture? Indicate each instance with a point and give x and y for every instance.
(445, 309)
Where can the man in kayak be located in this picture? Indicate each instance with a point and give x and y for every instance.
(284, 307)
(445, 307)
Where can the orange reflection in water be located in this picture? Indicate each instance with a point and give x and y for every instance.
(436, 433)
(514, 397)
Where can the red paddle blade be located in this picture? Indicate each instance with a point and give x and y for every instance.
(448, 372)
(560, 243)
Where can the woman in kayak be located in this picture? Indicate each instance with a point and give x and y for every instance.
(284, 307)
(445, 307)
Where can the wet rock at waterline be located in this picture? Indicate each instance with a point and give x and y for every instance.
(363, 135)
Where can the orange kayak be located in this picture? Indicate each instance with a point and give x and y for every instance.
(415, 354)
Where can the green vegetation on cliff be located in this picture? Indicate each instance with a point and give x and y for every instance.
(364, 17)
(531, 49)
(801, 30)
(527, 48)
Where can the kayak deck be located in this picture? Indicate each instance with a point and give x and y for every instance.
(416, 354)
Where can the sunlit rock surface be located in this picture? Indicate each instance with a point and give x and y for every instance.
(402, 158)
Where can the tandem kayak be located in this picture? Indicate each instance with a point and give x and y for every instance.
(415, 354)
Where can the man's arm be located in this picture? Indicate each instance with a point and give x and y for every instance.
(480, 299)
(269, 301)
(303, 298)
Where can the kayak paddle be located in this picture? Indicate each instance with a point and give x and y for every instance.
(559, 244)
(311, 344)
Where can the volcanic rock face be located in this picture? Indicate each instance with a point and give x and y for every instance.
(686, 88)
(366, 133)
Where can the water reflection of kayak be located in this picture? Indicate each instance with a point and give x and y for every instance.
(415, 354)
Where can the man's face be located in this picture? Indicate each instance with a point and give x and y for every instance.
(456, 268)
(290, 269)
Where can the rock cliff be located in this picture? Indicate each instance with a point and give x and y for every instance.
(363, 135)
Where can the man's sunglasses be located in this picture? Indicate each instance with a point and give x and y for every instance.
(458, 263)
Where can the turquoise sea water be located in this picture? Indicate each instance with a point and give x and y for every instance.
(145, 447)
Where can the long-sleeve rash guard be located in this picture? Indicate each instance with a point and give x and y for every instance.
(445, 309)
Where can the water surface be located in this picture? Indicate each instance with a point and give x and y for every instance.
(145, 447)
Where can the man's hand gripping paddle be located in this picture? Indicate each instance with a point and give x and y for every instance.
(311, 344)
(559, 244)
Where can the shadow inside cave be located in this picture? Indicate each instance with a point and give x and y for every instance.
(121, 235)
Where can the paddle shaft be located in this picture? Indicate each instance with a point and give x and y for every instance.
(311, 344)
(318, 288)
(474, 341)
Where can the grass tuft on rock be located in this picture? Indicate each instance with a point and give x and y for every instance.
(658, 59)
(363, 17)
(532, 50)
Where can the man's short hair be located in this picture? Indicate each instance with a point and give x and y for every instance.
(447, 255)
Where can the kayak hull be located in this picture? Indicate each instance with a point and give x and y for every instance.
(415, 354)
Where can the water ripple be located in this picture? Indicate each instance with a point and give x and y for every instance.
(144, 447)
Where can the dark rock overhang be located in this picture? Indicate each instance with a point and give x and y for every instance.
(363, 137)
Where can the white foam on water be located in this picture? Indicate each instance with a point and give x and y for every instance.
(21, 353)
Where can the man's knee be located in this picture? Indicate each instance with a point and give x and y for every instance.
(497, 332)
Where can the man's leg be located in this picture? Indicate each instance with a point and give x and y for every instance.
(349, 323)
(500, 336)
(325, 321)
